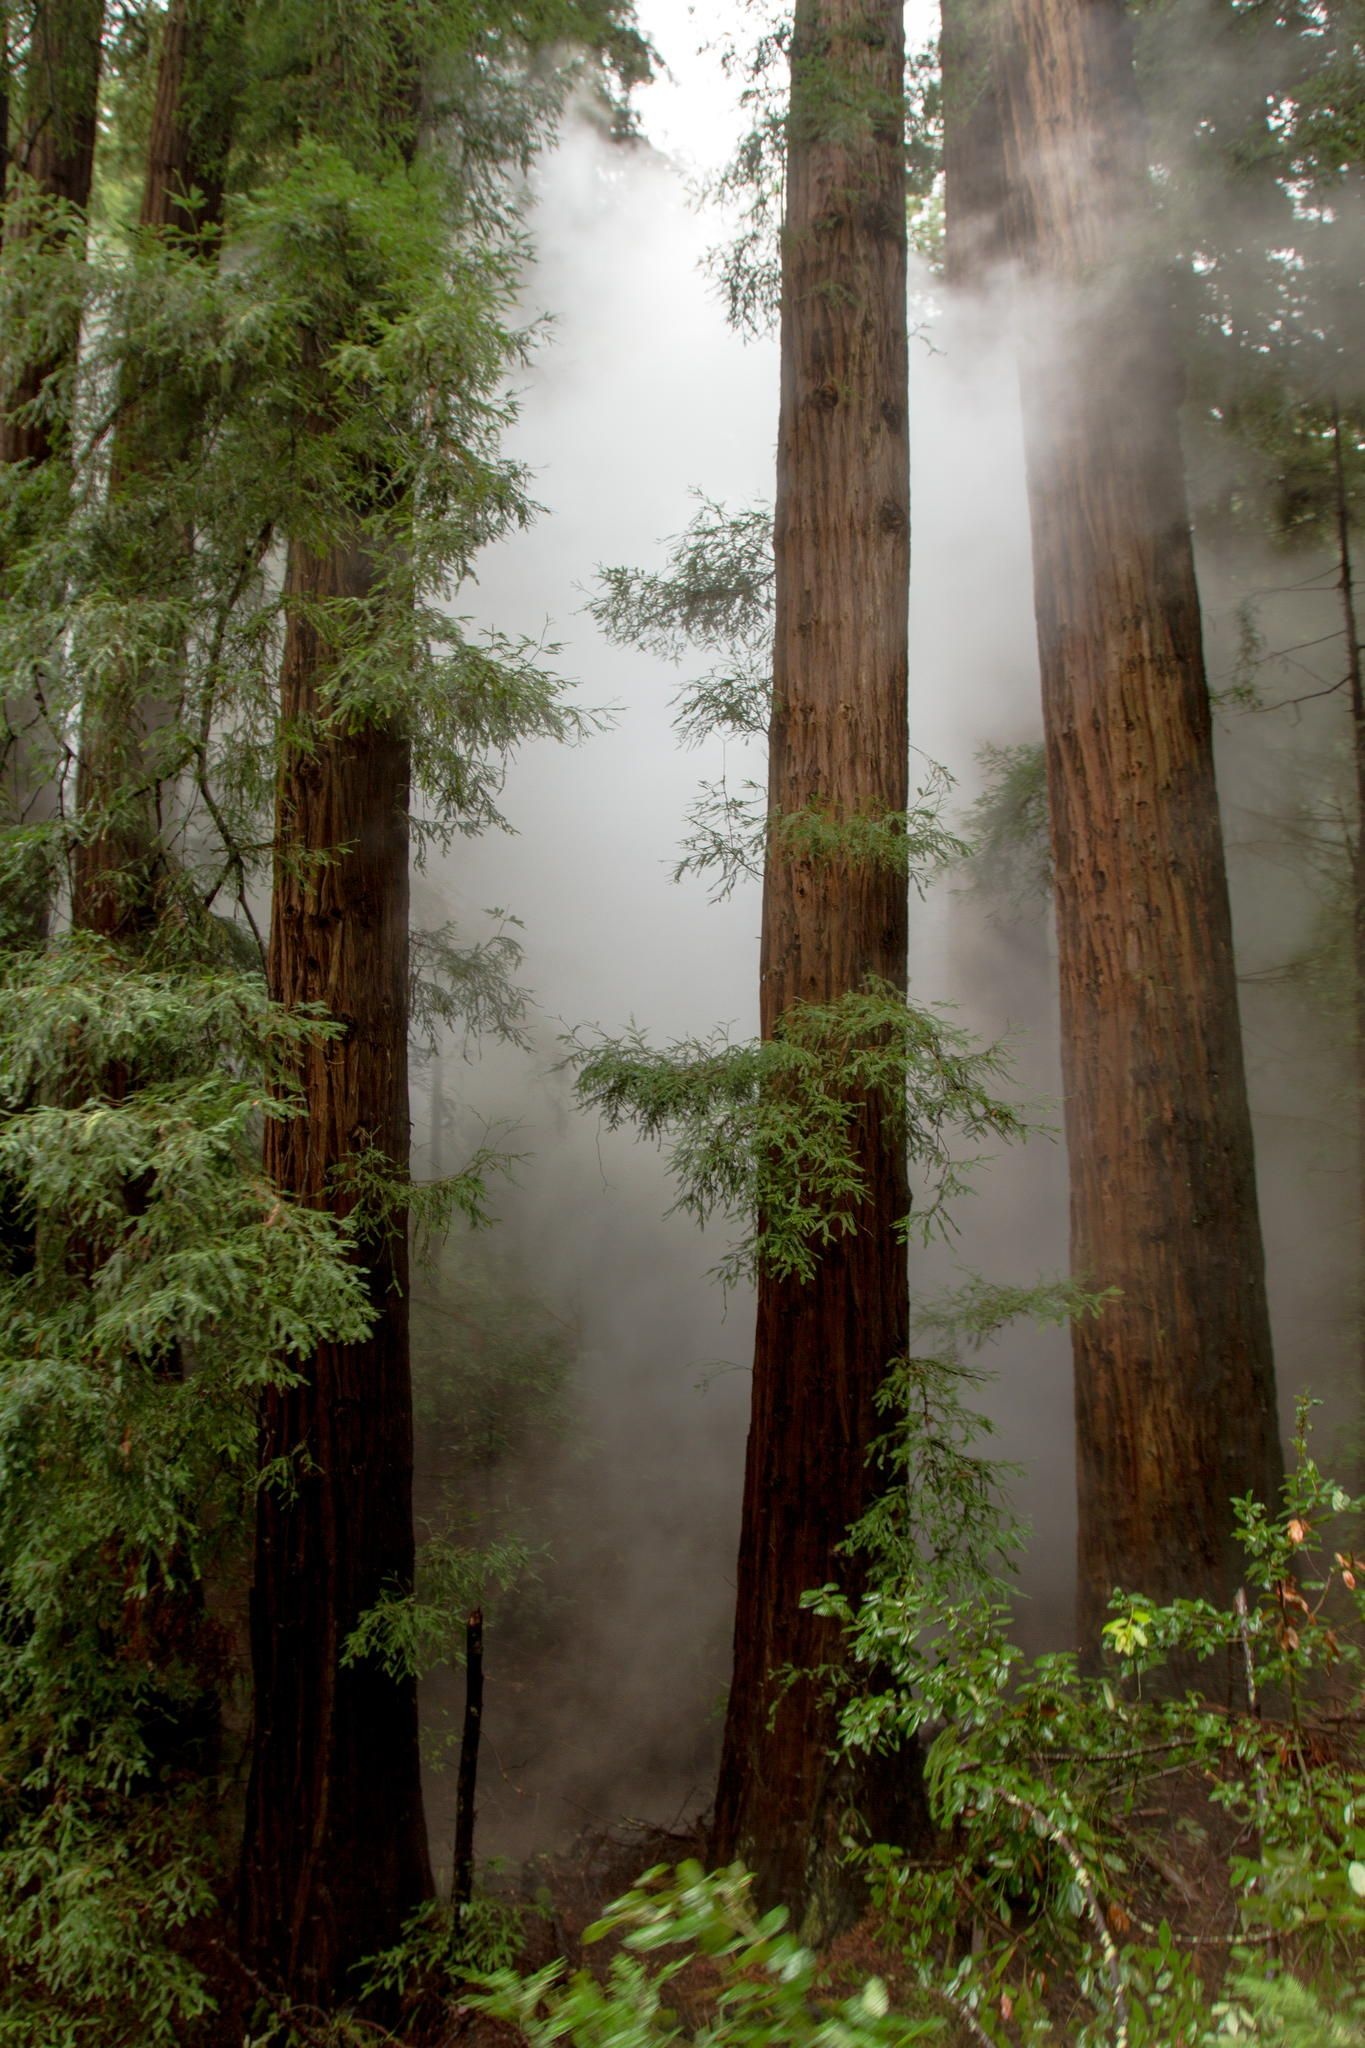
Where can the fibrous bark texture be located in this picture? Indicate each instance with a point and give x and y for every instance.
(838, 743)
(56, 149)
(336, 1850)
(192, 117)
(1175, 1393)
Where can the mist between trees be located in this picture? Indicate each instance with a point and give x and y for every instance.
(394, 821)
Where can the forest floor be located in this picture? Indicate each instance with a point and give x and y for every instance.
(1179, 1844)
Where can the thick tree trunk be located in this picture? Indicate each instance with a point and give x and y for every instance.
(192, 118)
(117, 858)
(55, 147)
(1175, 1391)
(838, 741)
(336, 1850)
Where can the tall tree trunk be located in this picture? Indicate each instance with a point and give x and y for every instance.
(4, 101)
(192, 117)
(1175, 1390)
(336, 1849)
(117, 856)
(335, 1854)
(55, 147)
(839, 741)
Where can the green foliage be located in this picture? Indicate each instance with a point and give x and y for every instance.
(732, 838)
(914, 843)
(329, 370)
(411, 1634)
(95, 1891)
(771, 1990)
(379, 1201)
(468, 990)
(767, 1132)
(817, 90)
(1280, 2012)
(1031, 1926)
(936, 1546)
(1009, 856)
(445, 1946)
(1048, 1779)
(152, 1281)
(716, 597)
(1256, 125)
(343, 366)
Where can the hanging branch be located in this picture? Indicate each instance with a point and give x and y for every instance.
(1085, 1884)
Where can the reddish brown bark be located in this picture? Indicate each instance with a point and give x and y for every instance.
(1175, 1392)
(838, 741)
(192, 118)
(336, 1852)
(56, 149)
(117, 861)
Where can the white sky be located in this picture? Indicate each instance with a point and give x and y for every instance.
(691, 110)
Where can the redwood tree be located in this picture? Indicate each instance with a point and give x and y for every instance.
(390, 267)
(336, 1849)
(839, 746)
(52, 160)
(55, 150)
(1174, 1382)
(335, 1854)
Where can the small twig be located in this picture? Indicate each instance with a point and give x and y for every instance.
(198, 742)
(1244, 1631)
(1307, 697)
(1092, 1905)
(1254, 1704)
(963, 2013)
(1114, 1756)
(286, 2009)
(1237, 1938)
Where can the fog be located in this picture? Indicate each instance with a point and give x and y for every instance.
(603, 1693)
